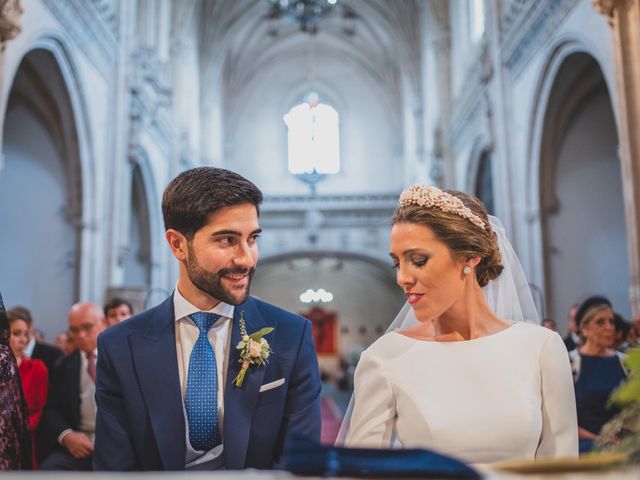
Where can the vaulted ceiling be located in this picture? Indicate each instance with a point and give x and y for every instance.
(379, 40)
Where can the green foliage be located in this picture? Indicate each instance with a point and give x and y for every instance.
(629, 392)
(624, 428)
(260, 333)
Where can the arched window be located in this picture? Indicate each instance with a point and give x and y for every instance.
(314, 140)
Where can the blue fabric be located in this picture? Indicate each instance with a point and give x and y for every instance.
(585, 445)
(201, 398)
(302, 458)
(599, 376)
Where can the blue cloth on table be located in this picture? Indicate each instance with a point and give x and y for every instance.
(316, 460)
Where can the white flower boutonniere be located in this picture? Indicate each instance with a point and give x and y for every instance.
(254, 349)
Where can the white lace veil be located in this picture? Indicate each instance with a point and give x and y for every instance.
(508, 296)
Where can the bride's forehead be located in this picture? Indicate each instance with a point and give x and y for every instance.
(412, 232)
(411, 236)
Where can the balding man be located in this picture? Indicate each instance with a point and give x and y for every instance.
(70, 416)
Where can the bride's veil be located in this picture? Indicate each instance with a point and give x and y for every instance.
(508, 296)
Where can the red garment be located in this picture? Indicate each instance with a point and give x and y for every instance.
(35, 379)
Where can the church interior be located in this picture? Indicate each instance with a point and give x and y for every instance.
(332, 108)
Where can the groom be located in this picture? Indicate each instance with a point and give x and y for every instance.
(167, 387)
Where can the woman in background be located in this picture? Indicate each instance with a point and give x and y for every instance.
(15, 444)
(597, 369)
(33, 373)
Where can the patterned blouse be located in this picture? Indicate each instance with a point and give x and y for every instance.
(14, 435)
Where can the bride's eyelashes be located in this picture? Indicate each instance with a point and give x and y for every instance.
(419, 262)
(416, 262)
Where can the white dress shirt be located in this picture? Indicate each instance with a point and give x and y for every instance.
(28, 350)
(186, 336)
(87, 397)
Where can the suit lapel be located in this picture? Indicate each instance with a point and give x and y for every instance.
(73, 386)
(239, 402)
(155, 360)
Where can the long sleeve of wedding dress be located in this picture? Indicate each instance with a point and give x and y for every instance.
(374, 406)
(559, 419)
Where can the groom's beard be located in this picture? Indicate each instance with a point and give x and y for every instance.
(211, 282)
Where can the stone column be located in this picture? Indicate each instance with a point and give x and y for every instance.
(442, 166)
(624, 20)
(10, 11)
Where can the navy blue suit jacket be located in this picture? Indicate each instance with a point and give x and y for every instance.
(140, 422)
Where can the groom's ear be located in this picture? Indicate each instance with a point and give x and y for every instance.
(177, 242)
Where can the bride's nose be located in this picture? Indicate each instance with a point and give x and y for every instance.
(404, 279)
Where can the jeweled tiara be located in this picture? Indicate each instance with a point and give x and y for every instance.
(432, 197)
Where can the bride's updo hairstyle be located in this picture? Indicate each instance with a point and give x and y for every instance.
(458, 220)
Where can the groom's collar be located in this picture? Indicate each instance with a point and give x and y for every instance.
(183, 308)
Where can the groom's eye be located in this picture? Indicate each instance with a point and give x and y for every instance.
(228, 241)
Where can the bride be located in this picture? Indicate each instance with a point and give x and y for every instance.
(463, 370)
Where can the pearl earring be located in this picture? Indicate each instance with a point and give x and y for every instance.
(466, 270)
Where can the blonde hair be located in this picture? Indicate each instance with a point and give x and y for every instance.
(589, 315)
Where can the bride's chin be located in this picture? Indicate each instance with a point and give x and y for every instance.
(423, 315)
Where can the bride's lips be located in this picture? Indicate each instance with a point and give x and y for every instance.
(413, 297)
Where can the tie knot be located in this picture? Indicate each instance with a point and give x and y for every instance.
(204, 320)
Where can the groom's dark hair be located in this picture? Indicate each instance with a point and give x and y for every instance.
(195, 194)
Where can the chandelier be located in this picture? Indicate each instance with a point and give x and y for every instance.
(306, 12)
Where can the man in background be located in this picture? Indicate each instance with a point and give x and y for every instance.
(117, 310)
(63, 342)
(70, 415)
(572, 340)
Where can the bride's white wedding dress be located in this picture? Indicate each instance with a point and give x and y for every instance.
(498, 397)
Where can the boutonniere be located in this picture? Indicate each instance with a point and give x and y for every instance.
(254, 349)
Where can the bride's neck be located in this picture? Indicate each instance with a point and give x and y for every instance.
(468, 318)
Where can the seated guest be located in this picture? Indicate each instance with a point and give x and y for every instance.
(550, 324)
(49, 355)
(117, 310)
(572, 340)
(35, 349)
(63, 342)
(633, 338)
(597, 369)
(33, 374)
(70, 414)
(15, 451)
(621, 331)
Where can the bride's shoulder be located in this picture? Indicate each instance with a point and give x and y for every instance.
(533, 329)
(537, 335)
(391, 344)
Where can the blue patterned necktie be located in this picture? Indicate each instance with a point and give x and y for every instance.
(201, 399)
